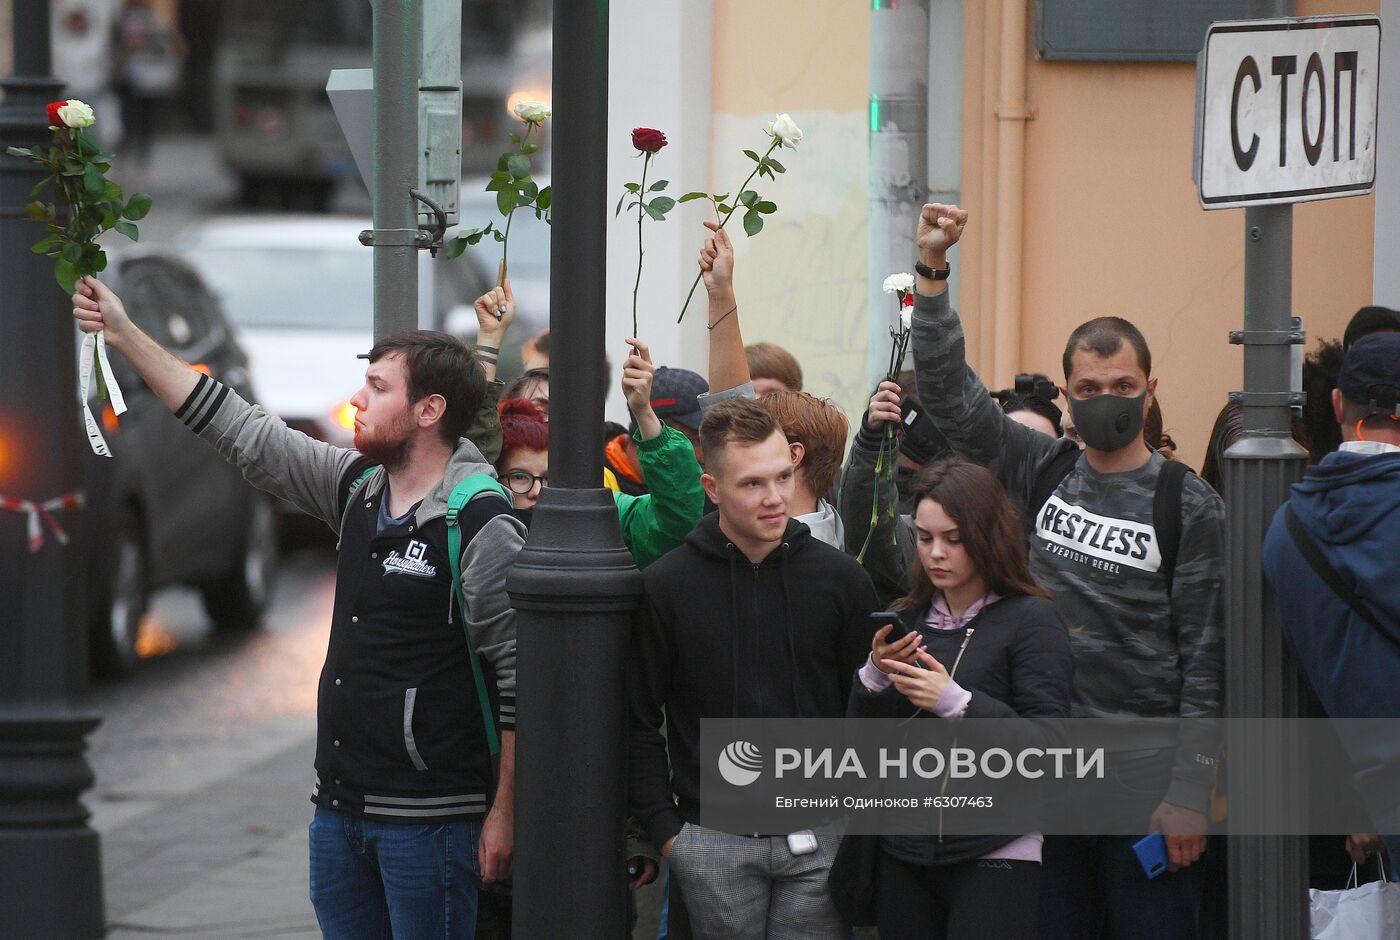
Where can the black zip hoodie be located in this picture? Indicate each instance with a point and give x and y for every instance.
(720, 637)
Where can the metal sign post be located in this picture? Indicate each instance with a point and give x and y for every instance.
(1286, 113)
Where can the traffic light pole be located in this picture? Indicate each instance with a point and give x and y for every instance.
(573, 585)
(50, 872)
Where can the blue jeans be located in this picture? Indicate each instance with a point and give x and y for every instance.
(376, 880)
(1093, 888)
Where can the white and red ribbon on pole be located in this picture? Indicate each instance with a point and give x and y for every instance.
(41, 515)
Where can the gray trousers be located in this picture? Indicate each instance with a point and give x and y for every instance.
(742, 888)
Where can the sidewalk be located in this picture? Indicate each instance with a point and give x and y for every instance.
(215, 847)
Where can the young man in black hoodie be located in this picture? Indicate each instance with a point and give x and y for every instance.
(751, 618)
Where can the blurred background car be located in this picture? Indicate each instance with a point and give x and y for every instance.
(166, 509)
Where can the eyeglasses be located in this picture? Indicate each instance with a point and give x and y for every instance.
(521, 483)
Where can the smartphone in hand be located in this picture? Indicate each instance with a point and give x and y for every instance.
(1151, 851)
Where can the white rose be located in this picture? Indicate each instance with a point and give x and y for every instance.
(77, 114)
(898, 282)
(785, 129)
(906, 318)
(533, 112)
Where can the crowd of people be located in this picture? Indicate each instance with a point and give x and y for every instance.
(1040, 563)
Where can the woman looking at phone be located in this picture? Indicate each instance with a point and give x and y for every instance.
(977, 638)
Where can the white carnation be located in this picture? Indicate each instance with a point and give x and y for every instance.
(906, 318)
(897, 282)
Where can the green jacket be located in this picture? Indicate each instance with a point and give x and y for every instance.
(654, 524)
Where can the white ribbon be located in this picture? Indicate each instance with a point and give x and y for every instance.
(95, 348)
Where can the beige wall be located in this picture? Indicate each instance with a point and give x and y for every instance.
(1112, 224)
(801, 282)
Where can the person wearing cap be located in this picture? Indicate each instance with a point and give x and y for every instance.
(1332, 556)
(675, 397)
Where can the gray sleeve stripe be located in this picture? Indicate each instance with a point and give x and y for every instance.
(194, 405)
(211, 410)
(194, 393)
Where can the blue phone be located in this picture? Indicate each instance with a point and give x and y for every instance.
(1151, 851)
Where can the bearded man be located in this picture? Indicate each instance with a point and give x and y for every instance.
(407, 822)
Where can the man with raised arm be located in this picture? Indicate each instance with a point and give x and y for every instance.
(815, 425)
(1132, 554)
(407, 824)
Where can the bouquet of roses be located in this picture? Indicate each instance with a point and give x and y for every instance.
(902, 285)
(86, 205)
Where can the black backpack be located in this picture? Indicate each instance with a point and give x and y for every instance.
(1166, 502)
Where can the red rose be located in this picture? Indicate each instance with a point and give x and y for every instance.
(648, 139)
(54, 119)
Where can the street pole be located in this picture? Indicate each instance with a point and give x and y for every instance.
(395, 131)
(50, 872)
(1268, 879)
(573, 585)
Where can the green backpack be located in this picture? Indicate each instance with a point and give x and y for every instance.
(462, 494)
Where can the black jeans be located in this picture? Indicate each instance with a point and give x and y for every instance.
(965, 901)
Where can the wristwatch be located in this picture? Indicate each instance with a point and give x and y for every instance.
(941, 274)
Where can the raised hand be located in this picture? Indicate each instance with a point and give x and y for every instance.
(940, 227)
(495, 309)
(97, 309)
(637, 373)
(884, 406)
(717, 261)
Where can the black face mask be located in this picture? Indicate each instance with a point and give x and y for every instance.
(1108, 422)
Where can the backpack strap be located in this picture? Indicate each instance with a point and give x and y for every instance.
(1334, 579)
(1049, 480)
(462, 494)
(1166, 514)
(356, 484)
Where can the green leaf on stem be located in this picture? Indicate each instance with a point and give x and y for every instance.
(618, 212)
(748, 197)
(632, 187)
(753, 223)
(66, 274)
(37, 211)
(40, 186)
(530, 148)
(127, 229)
(766, 207)
(99, 264)
(658, 186)
(454, 247)
(501, 163)
(519, 166)
(137, 207)
(505, 201)
(654, 213)
(690, 197)
(498, 235)
(724, 208)
(93, 182)
(752, 156)
(776, 166)
(47, 245)
(19, 152)
(546, 198)
(72, 252)
(663, 204)
(515, 138)
(528, 191)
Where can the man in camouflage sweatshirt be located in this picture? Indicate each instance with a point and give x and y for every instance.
(1146, 634)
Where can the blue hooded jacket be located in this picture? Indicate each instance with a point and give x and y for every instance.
(1350, 505)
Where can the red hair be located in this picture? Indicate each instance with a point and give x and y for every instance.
(522, 426)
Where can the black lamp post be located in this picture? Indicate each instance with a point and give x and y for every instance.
(50, 875)
(574, 584)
